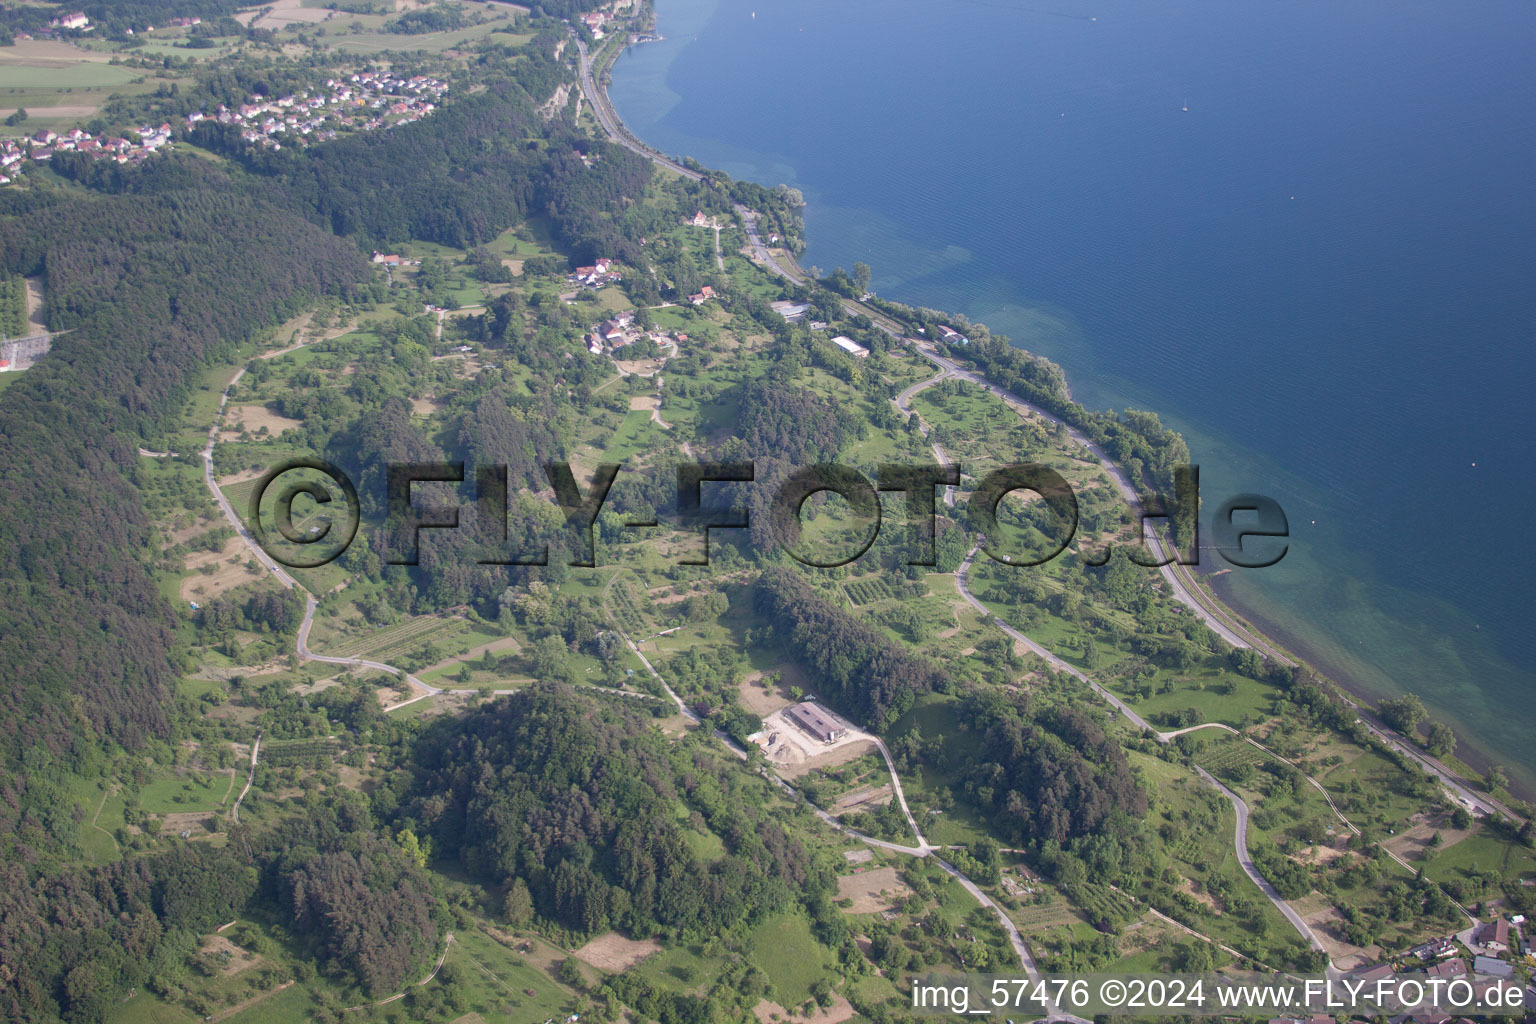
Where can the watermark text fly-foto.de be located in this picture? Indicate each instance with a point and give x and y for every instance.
(1240, 994)
(313, 509)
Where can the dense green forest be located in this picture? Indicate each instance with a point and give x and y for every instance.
(76, 940)
(13, 306)
(457, 178)
(151, 287)
(860, 671)
(570, 808)
(1052, 775)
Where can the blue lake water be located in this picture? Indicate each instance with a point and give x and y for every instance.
(1323, 271)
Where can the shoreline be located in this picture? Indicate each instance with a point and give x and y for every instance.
(1470, 755)
(1266, 635)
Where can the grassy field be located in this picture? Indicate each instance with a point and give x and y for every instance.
(52, 75)
(381, 644)
(363, 34)
(1483, 852)
(636, 434)
(61, 85)
(932, 716)
(203, 407)
(785, 950)
(185, 791)
(1196, 825)
(496, 981)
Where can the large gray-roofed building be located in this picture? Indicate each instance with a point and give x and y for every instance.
(816, 721)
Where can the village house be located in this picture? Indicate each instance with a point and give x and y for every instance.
(1493, 937)
(1456, 968)
(597, 274)
(74, 19)
(1435, 949)
(699, 220)
(702, 296)
(1372, 974)
(299, 118)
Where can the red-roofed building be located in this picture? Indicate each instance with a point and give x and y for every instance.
(1456, 968)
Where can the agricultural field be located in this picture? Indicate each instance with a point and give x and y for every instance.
(1483, 852)
(410, 635)
(60, 85)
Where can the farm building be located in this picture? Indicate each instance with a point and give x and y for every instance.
(816, 721)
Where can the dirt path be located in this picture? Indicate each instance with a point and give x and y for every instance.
(1167, 736)
(279, 572)
(241, 1007)
(234, 812)
(448, 941)
(97, 817)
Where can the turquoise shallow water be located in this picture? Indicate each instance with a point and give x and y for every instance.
(1322, 271)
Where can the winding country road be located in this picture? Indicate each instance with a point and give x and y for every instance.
(302, 645)
(923, 847)
(1051, 659)
(1245, 860)
(949, 370)
(280, 573)
(903, 403)
(1183, 591)
(1181, 581)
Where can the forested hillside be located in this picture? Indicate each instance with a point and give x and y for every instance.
(74, 942)
(458, 178)
(861, 672)
(162, 271)
(150, 287)
(170, 274)
(1051, 775)
(570, 807)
